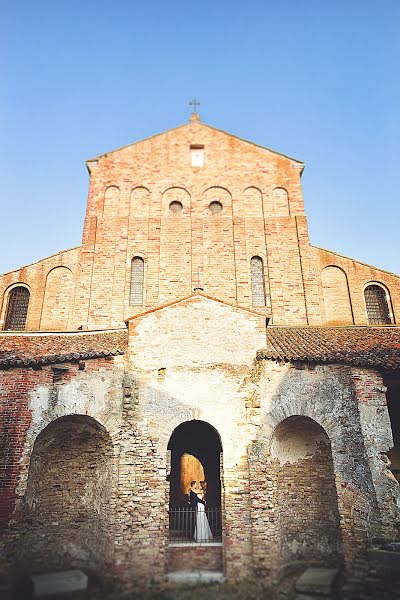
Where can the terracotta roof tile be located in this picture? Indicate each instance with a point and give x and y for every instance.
(22, 349)
(377, 347)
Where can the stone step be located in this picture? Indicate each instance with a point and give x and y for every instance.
(195, 577)
(316, 582)
(59, 582)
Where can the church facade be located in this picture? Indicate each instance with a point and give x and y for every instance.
(197, 334)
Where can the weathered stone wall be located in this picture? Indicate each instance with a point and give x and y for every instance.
(306, 496)
(327, 395)
(64, 517)
(195, 360)
(370, 392)
(189, 558)
(70, 510)
(199, 372)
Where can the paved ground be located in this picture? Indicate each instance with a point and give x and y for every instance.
(208, 592)
(251, 591)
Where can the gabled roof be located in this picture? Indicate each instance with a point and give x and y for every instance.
(201, 125)
(375, 347)
(195, 297)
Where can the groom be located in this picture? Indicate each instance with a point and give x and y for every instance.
(193, 501)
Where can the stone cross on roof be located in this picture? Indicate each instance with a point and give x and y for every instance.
(195, 115)
(194, 103)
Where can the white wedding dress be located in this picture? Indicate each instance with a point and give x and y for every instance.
(202, 532)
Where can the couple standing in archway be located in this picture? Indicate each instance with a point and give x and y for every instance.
(194, 509)
(197, 500)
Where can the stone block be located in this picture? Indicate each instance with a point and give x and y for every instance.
(61, 582)
(317, 581)
(385, 559)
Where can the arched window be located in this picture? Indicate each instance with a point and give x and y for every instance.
(377, 305)
(137, 279)
(257, 281)
(17, 309)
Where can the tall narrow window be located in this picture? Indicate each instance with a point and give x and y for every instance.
(137, 280)
(17, 309)
(257, 281)
(377, 305)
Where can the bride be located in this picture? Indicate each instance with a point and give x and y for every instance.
(202, 531)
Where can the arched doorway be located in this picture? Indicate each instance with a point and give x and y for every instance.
(306, 498)
(64, 519)
(196, 449)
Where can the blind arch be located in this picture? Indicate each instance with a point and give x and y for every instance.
(376, 303)
(17, 309)
(257, 281)
(137, 281)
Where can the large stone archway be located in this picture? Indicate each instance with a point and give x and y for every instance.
(63, 519)
(195, 448)
(308, 522)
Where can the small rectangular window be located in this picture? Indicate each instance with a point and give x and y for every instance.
(197, 156)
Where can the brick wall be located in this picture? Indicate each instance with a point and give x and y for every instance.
(98, 479)
(305, 494)
(336, 297)
(189, 558)
(358, 275)
(64, 519)
(128, 214)
(51, 284)
(178, 246)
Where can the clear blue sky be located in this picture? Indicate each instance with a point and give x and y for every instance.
(317, 80)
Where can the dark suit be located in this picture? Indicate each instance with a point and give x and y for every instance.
(193, 501)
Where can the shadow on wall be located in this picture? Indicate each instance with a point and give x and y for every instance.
(62, 522)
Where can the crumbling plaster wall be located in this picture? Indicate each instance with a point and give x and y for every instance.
(64, 518)
(189, 371)
(326, 394)
(34, 399)
(377, 435)
(182, 364)
(306, 497)
(188, 364)
(95, 392)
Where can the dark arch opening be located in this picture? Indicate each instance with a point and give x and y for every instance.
(17, 309)
(392, 382)
(200, 440)
(196, 449)
(137, 281)
(65, 514)
(377, 306)
(306, 496)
